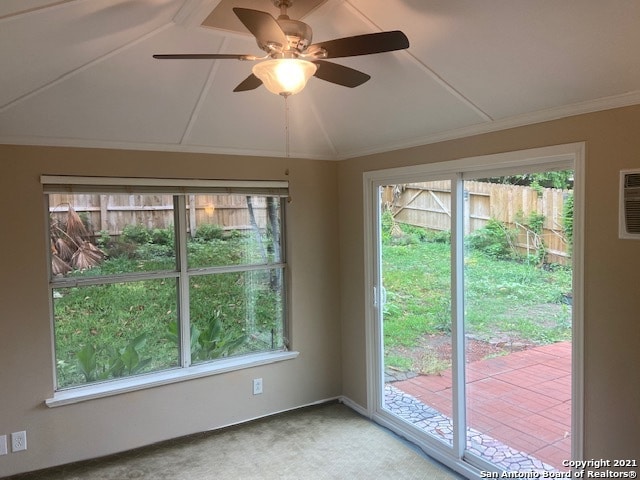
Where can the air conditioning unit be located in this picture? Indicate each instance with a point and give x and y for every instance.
(630, 204)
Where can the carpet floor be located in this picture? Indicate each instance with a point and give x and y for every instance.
(328, 441)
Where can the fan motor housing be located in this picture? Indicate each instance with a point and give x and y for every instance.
(298, 33)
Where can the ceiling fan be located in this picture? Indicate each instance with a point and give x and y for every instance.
(291, 59)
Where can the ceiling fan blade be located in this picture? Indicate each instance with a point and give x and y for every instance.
(204, 56)
(249, 83)
(339, 74)
(262, 25)
(363, 44)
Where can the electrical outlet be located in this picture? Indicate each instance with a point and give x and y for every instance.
(3, 445)
(257, 386)
(18, 441)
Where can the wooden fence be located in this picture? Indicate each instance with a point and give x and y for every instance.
(111, 213)
(428, 205)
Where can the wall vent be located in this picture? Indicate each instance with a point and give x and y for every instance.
(630, 204)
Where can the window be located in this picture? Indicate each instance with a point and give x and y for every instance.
(150, 276)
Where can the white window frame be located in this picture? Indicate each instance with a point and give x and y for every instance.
(185, 371)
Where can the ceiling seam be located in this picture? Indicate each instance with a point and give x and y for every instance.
(441, 81)
(321, 123)
(28, 11)
(450, 88)
(204, 92)
(82, 68)
(192, 9)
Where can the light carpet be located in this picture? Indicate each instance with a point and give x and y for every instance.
(329, 441)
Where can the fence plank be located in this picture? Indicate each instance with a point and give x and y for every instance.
(428, 205)
(112, 213)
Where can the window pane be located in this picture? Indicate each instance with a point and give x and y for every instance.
(236, 313)
(94, 235)
(117, 330)
(233, 230)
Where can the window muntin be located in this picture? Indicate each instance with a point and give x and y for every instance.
(221, 280)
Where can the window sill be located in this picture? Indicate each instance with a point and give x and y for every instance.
(132, 384)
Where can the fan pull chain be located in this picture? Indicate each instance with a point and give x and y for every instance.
(286, 126)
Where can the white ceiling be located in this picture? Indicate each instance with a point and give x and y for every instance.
(81, 73)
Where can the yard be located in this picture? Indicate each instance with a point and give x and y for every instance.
(511, 303)
(121, 328)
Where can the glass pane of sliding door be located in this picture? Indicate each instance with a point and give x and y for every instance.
(517, 320)
(415, 269)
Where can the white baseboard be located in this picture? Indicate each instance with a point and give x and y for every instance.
(354, 406)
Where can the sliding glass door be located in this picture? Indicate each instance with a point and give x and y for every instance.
(473, 306)
(415, 240)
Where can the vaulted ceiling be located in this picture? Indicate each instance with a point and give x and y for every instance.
(81, 73)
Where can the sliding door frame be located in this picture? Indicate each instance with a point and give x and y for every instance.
(568, 156)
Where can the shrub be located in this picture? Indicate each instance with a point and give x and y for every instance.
(163, 236)
(386, 225)
(136, 234)
(567, 218)
(208, 232)
(535, 221)
(494, 239)
(438, 236)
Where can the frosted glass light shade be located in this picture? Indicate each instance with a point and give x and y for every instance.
(284, 76)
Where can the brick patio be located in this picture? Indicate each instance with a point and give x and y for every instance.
(522, 399)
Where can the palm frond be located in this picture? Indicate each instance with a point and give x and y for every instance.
(59, 266)
(87, 256)
(75, 227)
(64, 249)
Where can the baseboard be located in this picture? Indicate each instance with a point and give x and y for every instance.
(354, 406)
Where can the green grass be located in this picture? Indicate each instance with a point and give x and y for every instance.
(96, 325)
(110, 317)
(517, 300)
(504, 299)
(417, 278)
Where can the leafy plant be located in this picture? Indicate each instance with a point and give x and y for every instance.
(136, 234)
(87, 363)
(535, 221)
(127, 361)
(208, 232)
(494, 239)
(119, 362)
(210, 341)
(163, 236)
(533, 225)
(567, 218)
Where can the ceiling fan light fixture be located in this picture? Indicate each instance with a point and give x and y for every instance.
(285, 76)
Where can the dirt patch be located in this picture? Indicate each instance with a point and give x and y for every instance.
(433, 353)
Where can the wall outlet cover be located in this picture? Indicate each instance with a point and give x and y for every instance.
(257, 386)
(18, 441)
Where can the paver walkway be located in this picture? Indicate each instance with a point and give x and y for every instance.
(521, 400)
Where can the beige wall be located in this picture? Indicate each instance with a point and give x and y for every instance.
(611, 277)
(99, 427)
